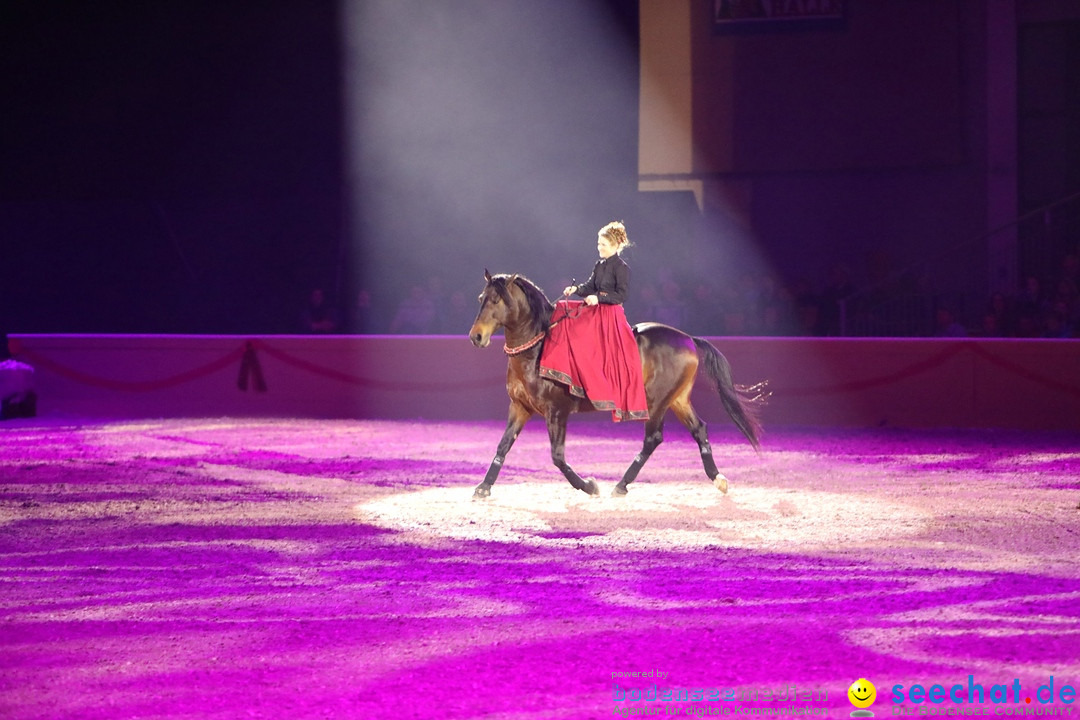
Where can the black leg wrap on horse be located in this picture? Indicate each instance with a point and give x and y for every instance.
(701, 435)
(707, 460)
(632, 472)
(493, 471)
(574, 479)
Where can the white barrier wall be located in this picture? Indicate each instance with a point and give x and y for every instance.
(842, 382)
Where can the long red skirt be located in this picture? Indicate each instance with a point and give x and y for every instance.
(592, 350)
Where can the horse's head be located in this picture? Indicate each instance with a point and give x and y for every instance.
(512, 302)
(496, 308)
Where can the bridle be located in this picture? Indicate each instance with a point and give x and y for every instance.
(511, 351)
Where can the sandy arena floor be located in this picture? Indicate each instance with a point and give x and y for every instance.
(224, 568)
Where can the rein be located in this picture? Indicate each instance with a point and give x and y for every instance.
(567, 314)
(532, 343)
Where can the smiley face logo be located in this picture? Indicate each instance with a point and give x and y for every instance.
(862, 693)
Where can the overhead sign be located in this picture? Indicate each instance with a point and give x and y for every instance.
(728, 14)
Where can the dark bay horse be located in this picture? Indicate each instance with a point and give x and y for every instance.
(669, 360)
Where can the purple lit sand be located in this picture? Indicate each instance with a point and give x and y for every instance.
(224, 568)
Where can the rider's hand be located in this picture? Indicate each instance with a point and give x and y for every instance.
(591, 300)
(570, 290)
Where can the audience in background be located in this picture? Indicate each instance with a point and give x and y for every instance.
(838, 287)
(989, 327)
(319, 316)
(1000, 319)
(416, 314)
(363, 320)
(807, 308)
(946, 324)
(705, 311)
(669, 308)
(458, 315)
(702, 303)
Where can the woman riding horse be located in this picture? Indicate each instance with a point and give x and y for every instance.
(669, 363)
(591, 349)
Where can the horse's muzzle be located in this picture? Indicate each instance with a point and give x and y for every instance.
(479, 339)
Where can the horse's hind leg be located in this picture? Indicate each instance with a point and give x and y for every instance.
(654, 435)
(699, 431)
(518, 417)
(556, 425)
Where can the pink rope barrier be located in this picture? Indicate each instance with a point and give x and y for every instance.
(251, 371)
(929, 364)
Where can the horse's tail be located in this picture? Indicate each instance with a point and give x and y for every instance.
(742, 403)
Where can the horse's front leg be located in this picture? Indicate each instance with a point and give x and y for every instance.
(556, 425)
(518, 417)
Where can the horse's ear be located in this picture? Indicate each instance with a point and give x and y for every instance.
(487, 276)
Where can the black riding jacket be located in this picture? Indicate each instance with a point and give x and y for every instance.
(609, 282)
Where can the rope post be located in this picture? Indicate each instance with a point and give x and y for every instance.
(250, 368)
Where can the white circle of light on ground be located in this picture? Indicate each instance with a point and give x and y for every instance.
(675, 516)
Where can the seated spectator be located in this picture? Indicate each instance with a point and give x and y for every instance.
(1056, 321)
(669, 308)
(319, 316)
(363, 314)
(1070, 273)
(1004, 317)
(457, 315)
(705, 316)
(1030, 300)
(642, 305)
(1029, 326)
(946, 325)
(1065, 300)
(989, 327)
(416, 313)
(807, 308)
(775, 305)
(838, 288)
(734, 310)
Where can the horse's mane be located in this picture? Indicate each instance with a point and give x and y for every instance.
(539, 305)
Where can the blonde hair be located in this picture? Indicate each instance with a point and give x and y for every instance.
(615, 232)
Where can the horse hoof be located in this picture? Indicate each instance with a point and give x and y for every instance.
(619, 491)
(592, 488)
(482, 491)
(721, 483)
